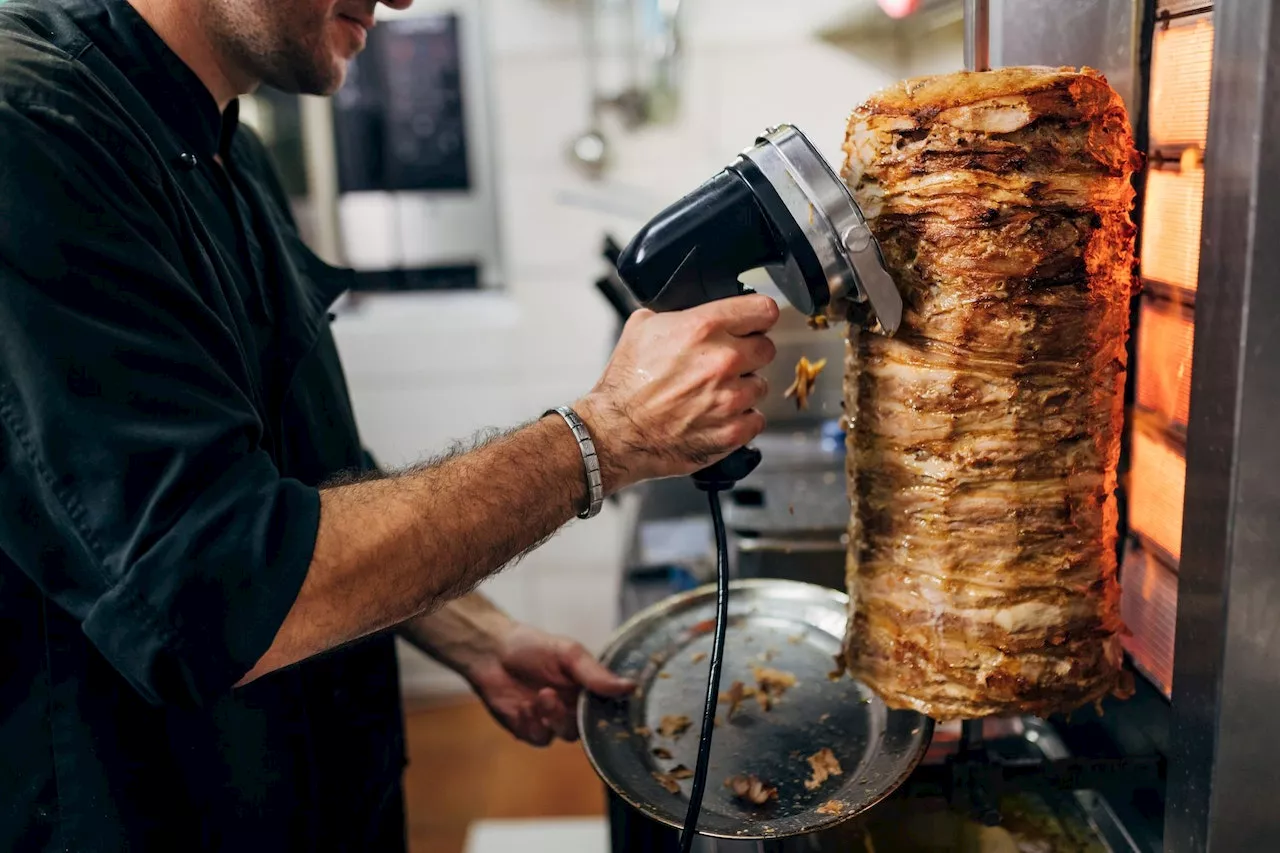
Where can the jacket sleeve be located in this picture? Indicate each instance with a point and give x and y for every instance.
(135, 489)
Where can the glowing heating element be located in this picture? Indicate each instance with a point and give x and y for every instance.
(1171, 227)
(1165, 336)
(1158, 479)
(1149, 608)
(1181, 69)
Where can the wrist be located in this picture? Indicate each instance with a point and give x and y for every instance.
(484, 650)
(602, 420)
(588, 494)
(467, 635)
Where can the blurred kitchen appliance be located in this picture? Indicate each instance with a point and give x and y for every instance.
(650, 46)
(1186, 764)
(413, 137)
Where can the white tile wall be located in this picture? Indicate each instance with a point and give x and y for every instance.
(807, 83)
(759, 25)
(426, 371)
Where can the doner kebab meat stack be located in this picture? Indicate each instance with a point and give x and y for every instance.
(983, 438)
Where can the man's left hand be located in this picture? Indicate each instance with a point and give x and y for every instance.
(532, 680)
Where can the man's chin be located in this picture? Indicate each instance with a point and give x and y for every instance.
(318, 81)
(334, 76)
(332, 86)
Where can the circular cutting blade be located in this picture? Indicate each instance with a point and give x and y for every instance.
(791, 628)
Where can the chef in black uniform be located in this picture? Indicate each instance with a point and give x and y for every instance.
(201, 572)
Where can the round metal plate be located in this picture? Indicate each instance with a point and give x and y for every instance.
(786, 625)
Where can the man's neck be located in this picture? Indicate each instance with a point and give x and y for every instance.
(181, 31)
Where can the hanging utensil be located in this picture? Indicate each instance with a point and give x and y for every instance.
(589, 150)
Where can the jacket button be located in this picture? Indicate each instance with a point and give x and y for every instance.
(186, 161)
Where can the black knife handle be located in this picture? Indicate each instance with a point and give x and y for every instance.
(726, 473)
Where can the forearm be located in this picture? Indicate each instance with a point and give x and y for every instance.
(391, 549)
(461, 633)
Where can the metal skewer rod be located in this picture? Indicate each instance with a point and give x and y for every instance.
(977, 20)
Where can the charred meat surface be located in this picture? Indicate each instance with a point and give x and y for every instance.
(984, 437)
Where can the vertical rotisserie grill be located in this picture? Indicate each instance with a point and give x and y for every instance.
(1181, 70)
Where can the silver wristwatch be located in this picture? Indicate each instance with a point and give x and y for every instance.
(590, 462)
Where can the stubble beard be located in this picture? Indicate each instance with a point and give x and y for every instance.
(275, 47)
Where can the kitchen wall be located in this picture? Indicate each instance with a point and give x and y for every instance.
(427, 371)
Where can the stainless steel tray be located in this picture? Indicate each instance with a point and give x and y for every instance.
(786, 625)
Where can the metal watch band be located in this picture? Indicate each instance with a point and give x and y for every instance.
(590, 462)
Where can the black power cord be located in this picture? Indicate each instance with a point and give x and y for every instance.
(713, 678)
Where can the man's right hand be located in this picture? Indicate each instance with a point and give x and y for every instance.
(680, 390)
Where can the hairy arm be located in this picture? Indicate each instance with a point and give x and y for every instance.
(461, 633)
(529, 680)
(393, 548)
(678, 393)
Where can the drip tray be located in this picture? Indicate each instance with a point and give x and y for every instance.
(919, 818)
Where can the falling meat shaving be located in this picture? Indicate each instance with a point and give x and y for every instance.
(670, 779)
(825, 765)
(806, 375)
(659, 752)
(643, 731)
(771, 684)
(746, 786)
(673, 726)
(698, 657)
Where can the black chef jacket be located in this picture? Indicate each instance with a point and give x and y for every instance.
(170, 399)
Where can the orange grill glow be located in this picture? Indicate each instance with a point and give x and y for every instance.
(1165, 336)
(1181, 68)
(1149, 608)
(1158, 480)
(1171, 227)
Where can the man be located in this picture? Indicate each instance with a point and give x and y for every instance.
(199, 572)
